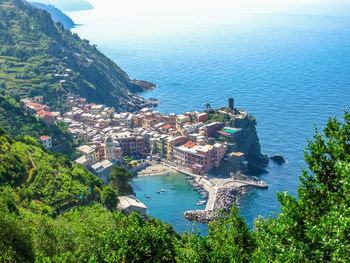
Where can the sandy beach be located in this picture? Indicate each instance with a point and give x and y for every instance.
(156, 169)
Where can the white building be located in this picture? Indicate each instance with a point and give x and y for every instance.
(46, 141)
(129, 204)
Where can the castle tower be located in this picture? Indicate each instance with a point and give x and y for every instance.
(231, 103)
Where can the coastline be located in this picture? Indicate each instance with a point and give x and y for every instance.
(222, 193)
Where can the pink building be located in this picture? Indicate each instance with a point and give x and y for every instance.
(210, 128)
(47, 116)
(199, 158)
(202, 117)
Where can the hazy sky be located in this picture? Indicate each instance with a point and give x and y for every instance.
(144, 7)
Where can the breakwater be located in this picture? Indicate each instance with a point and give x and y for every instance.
(223, 193)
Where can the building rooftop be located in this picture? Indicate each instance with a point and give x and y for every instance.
(86, 149)
(100, 166)
(130, 201)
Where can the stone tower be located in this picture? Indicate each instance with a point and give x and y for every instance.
(231, 103)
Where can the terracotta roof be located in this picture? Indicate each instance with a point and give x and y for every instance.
(167, 126)
(43, 138)
(189, 144)
(44, 113)
(238, 154)
(34, 105)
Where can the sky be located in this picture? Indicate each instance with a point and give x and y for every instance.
(130, 8)
(147, 7)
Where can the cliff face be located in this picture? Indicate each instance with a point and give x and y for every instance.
(39, 57)
(247, 140)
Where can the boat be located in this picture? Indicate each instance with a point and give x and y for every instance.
(162, 190)
(171, 187)
(200, 202)
(204, 196)
(188, 178)
(147, 196)
(167, 174)
(158, 192)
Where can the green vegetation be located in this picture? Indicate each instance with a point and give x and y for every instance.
(38, 57)
(215, 115)
(34, 173)
(119, 180)
(16, 122)
(313, 228)
(109, 197)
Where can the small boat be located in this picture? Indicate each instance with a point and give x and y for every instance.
(171, 187)
(162, 190)
(188, 178)
(147, 196)
(158, 192)
(204, 196)
(167, 174)
(200, 203)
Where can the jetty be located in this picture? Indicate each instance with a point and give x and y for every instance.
(222, 192)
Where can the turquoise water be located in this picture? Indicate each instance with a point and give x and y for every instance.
(169, 205)
(289, 71)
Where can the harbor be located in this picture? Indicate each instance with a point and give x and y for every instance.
(214, 193)
(222, 192)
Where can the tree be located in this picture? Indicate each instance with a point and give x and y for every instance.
(119, 180)
(109, 197)
(315, 227)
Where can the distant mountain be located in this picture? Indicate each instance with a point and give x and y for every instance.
(39, 57)
(68, 5)
(56, 14)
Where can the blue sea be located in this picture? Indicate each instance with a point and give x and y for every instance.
(290, 71)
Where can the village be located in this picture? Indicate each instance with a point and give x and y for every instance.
(109, 138)
(148, 142)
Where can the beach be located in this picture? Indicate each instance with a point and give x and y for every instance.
(156, 168)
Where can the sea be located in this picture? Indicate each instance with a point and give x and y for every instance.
(290, 71)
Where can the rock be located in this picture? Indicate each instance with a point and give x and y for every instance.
(255, 169)
(278, 158)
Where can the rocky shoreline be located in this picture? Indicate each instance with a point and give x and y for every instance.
(225, 198)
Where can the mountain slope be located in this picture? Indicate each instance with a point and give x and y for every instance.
(38, 57)
(56, 14)
(16, 122)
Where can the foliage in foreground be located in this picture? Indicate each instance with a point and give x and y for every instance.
(313, 228)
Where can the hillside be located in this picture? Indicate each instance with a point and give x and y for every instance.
(51, 179)
(16, 122)
(56, 14)
(38, 57)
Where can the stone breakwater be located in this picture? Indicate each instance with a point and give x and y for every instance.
(223, 192)
(225, 197)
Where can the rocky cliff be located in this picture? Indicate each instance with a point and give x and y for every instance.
(247, 140)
